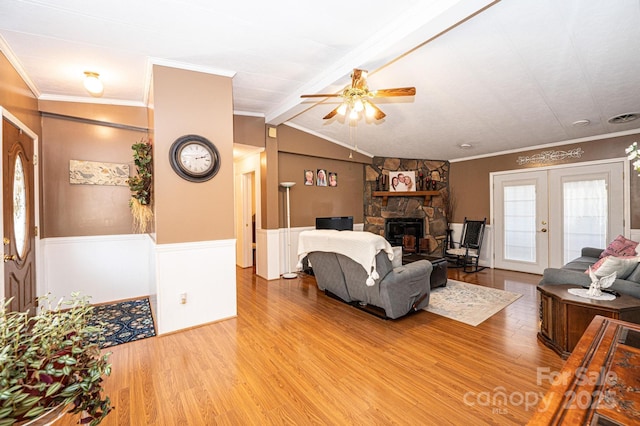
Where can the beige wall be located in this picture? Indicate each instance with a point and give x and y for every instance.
(17, 98)
(83, 210)
(248, 130)
(187, 102)
(469, 180)
(309, 202)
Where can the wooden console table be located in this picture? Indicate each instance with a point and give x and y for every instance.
(565, 317)
(386, 194)
(600, 382)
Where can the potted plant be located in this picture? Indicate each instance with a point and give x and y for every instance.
(50, 362)
(140, 186)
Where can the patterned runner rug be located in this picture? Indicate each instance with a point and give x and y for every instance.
(124, 322)
(468, 303)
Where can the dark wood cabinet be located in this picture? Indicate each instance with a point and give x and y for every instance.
(564, 317)
(599, 385)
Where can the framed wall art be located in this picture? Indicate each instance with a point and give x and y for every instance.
(403, 181)
(309, 177)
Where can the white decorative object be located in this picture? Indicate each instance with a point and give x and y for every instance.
(597, 284)
(550, 156)
(595, 289)
(582, 292)
(288, 274)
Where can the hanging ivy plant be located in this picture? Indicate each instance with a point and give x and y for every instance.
(141, 186)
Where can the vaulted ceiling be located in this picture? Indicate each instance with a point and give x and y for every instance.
(497, 75)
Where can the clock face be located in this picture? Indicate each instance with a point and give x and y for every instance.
(194, 158)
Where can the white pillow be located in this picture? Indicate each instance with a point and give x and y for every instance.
(622, 266)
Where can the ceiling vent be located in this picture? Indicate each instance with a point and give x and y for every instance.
(623, 118)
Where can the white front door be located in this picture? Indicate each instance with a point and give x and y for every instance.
(543, 218)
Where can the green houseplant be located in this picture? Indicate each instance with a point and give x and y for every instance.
(140, 186)
(51, 360)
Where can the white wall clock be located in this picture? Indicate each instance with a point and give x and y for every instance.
(194, 158)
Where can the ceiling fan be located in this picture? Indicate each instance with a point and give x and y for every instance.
(357, 97)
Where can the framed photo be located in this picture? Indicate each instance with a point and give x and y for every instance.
(402, 181)
(333, 179)
(309, 177)
(321, 177)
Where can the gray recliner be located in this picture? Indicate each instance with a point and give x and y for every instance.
(398, 291)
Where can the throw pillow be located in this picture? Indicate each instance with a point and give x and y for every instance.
(621, 246)
(623, 266)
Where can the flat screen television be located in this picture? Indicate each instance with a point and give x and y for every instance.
(341, 223)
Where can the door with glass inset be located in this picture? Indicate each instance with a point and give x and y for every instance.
(18, 218)
(521, 221)
(544, 218)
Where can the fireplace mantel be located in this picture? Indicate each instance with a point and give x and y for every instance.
(386, 194)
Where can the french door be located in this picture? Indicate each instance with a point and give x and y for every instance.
(543, 218)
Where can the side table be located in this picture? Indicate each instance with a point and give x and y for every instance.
(564, 316)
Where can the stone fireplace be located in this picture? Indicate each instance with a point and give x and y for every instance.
(407, 211)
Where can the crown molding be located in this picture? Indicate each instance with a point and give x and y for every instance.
(88, 100)
(550, 145)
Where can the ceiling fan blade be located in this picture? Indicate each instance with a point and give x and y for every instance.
(332, 113)
(400, 91)
(322, 95)
(378, 114)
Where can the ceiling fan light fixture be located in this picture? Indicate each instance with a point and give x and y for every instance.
(93, 84)
(358, 105)
(353, 115)
(369, 110)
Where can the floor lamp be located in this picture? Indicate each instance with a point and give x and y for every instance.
(288, 274)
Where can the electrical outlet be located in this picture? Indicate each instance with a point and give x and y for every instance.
(183, 298)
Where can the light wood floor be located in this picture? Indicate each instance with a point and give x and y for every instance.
(295, 356)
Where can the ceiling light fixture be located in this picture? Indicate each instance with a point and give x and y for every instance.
(580, 123)
(465, 146)
(93, 84)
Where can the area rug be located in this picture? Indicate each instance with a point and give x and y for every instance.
(124, 322)
(468, 303)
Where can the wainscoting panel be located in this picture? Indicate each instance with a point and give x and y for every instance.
(106, 268)
(205, 273)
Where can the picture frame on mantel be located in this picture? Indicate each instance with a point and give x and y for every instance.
(402, 181)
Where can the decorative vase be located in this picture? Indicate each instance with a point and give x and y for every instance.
(47, 418)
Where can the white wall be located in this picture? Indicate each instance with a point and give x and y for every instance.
(106, 268)
(206, 273)
(110, 268)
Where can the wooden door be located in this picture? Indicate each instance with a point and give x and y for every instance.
(18, 218)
